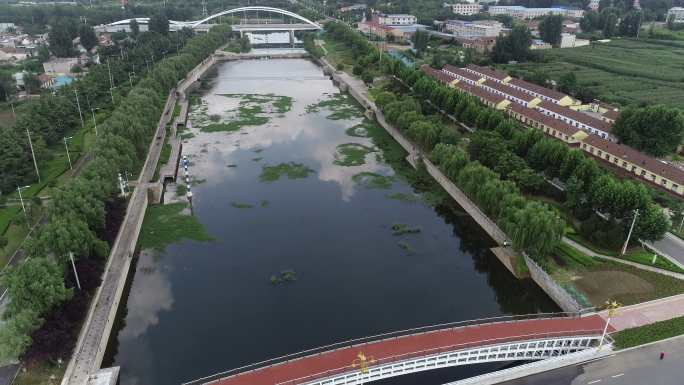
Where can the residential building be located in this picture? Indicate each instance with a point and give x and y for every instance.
(466, 8)
(540, 44)
(567, 40)
(577, 119)
(594, 5)
(396, 19)
(6, 27)
(636, 164)
(677, 14)
(479, 44)
(627, 160)
(473, 29)
(46, 81)
(520, 12)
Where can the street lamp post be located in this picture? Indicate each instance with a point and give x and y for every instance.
(33, 154)
(73, 265)
(21, 199)
(92, 111)
(78, 104)
(612, 307)
(629, 235)
(66, 146)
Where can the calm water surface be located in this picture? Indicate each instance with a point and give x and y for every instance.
(199, 308)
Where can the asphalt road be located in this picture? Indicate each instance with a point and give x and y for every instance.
(672, 246)
(640, 366)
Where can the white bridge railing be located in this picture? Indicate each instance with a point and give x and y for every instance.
(387, 336)
(533, 350)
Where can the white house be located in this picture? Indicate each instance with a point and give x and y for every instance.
(677, 13)
(466, 8)
(472, 29)
(396, 19)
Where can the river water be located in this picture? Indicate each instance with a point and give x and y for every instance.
(202, 307)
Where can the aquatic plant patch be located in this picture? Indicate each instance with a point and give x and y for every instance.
(372, 180)
(290, 170)
(351, 154)
(252, 110)
(340, 106)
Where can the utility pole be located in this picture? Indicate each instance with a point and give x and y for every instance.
(33, 154)
(629, 235)
(73, 265)
(111, 81)
(92, 111)
(78, 104)
(23, 208)
(67, 151)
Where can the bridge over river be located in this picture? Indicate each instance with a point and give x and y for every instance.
(511, 338)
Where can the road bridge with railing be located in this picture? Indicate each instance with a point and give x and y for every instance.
(511, 338)
(247, 19)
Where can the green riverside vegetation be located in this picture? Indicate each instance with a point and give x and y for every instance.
(649, 333)
(76, 212)
(170, 223)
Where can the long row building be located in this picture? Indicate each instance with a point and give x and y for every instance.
(560, 116)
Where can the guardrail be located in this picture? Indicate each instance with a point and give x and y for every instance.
(594, 333)
(377, 338)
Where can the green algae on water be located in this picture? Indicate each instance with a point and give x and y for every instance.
(291, 170)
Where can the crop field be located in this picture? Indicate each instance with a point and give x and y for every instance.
(622, 71)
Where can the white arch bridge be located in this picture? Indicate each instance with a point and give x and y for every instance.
(251, 19)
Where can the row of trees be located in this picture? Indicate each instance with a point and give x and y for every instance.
(533, 227)
(612, 21)
(53, 116)
(521, 156)
(77, 211)
(514, 152)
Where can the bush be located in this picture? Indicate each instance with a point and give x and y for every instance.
(340, 66)
(3, 242)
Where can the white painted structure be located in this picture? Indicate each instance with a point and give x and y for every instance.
(466, 8)
(520, 12)
(677, 13)
(397, 19)
(567, 40)
(473, 29)
(517, 351)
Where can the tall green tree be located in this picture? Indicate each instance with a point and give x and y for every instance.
(61, 36)
(515, 46)
(159, 23)
(135, 27)
(550, 29)
(87, 36)
(656, 130)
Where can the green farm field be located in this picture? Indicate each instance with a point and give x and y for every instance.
(621, 71)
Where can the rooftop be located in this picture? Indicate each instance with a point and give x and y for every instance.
(544, 119)
(508, 90)
(555, 95)
(461, 72)
(487, 71)
(646, 162)
(575, 115)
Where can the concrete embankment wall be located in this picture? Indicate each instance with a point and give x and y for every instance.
(505, 254)
(94, 336)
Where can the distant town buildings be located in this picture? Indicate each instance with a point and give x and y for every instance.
(520, 12)
(401, 31)
(594, 5)
(396, 19)
(7, 27)
(355, 7)
(677, 14)
(465, 8)
(473, 29)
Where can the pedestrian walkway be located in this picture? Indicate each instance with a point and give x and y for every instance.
(647, 313)
(594, 254)
(398, 350)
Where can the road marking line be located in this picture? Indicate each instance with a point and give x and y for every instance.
(618, 375)
(593, 382)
